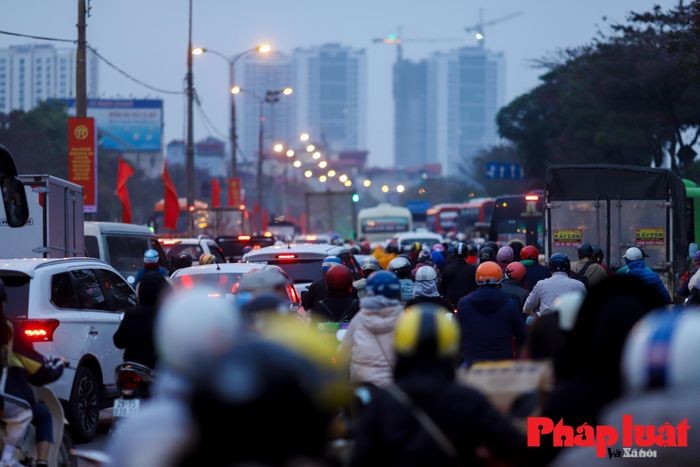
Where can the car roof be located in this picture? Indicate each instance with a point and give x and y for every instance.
(411, 235)
(29, 265)
(230, 268)
(305, 250)
(117, 227)
(186, 241)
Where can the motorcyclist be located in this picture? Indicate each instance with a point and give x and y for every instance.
(423, 259)
(367, 342)
(317, 290)
(426, 418)
(25, 366)
(187, 335)
(135, 332)
(340, 305)
(401, 266)
(491, 324)
(472, 254)
(425, 289)
(368, 266)
(206, 258)
(543, 296)
(586, 267)
(536, 272)
(514, 283)
(150, 263)
(504, 257)
(683, 290)
(634, 258)
(457, 277)
(487, 253)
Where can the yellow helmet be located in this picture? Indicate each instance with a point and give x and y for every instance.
(207, 258)
(425, 330)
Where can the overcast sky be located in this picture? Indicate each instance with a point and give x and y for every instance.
(148, 38)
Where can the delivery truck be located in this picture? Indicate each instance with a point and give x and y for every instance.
(54, 228)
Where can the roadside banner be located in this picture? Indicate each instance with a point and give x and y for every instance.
(82, 159)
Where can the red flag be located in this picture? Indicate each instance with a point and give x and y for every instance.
(215, 193)
(171, 206)
(124, 172)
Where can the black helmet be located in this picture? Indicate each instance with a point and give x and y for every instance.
(461, 250)
(487, 254)
(424, 331)
(585, 251)
(597, 255)
(559, 262)
(472, 249)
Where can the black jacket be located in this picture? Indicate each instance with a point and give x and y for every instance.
(458, 280)
(135, 335)
(390, 435)
(440, 301)
(534, 272)
(516, 291)
(336, 309)
(316, 292)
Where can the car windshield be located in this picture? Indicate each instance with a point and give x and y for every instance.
(17, 288)
(301, 271)
(222, 282)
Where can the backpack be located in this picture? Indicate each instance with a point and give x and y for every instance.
(581, 275)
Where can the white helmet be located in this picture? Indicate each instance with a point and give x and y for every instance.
(398, 263)
(633, 254)
(661, 351)
(425, 273)
(193, 327)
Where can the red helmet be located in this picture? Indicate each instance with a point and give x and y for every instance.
(489, 273)
(529, 252)
(516, 271)
(339, 278)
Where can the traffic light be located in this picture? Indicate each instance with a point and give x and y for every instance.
(355, 198)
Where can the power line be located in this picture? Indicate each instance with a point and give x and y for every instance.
(205, 117)
(132, 78)
(30, 36)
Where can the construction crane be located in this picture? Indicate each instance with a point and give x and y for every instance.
(478, 28)
(398, 39)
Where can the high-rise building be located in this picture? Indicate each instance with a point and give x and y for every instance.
(466, 87)
(30, 74)
(410, 113)
(331, 87)
(256, 75)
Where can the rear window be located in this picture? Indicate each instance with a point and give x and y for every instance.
(224, 283)
(233, 247)
(195, 251)
(17, 288)
(126, 251)
(301, 270)
(91, 248)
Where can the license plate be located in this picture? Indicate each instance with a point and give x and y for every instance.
(125, 407)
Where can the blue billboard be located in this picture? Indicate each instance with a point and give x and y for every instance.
(126, 125)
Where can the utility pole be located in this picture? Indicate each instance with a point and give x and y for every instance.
(80, 64)
(189, 175)
(259, 178)
(234, 135)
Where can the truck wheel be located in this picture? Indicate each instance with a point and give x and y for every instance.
(84, 405)
(65, 458)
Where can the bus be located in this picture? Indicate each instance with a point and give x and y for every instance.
(382, 222)
(519, 217)
(475, 214)
(442, 218)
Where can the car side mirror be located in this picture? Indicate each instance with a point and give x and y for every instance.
(14, 199)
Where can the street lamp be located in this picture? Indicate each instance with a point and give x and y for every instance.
(233, 89)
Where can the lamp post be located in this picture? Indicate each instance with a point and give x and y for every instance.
(233, 135)
(271, 97)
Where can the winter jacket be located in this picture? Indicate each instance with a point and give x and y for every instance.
(438, 300)
(546, 292)
(534, 272)
(516, 291)
(595, 273)
(639, 269)
(369, 341)
(457, 281)
(389, 434)
(316, 292)
(135, 335)
(336, 309)
(360, 285)
(492, 327)
(406, 289)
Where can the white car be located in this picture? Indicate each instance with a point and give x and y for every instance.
(428, 239)
(71, 308)
(195, 247)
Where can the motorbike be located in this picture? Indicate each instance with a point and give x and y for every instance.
(60, 454)
(134, 382)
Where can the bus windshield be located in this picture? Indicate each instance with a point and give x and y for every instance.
(518, 217)
(383, 222)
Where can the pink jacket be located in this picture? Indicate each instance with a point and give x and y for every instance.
(369, 341)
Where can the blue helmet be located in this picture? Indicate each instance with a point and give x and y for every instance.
(384, 283)
(150, 256)
(329, 262)
(559, 262)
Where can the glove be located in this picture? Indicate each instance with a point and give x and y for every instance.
(55, 363)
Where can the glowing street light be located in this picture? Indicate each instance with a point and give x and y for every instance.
(236, 90)
(317, 155)
(331, 173)
(343, 178)
(296, 164)
(348, 183)
(279, 147)
(308, 174)
(310, 148)
(400, 188)
(264, 48)
(288, 91)
(304, 137)
(322, 164)
(290, 152)
(479, 36)
(322, 179)
(385, 188)
(367, 183)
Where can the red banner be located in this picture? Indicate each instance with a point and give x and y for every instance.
(82, 159)
(171, 203)
(124, 172)
(215, 193)
(234, 192)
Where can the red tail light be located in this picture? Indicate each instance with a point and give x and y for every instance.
(532, 198)
(38, 330)
(292, 293)
(286, 257)
(128, 380)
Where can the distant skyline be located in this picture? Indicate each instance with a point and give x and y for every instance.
(148, 39)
